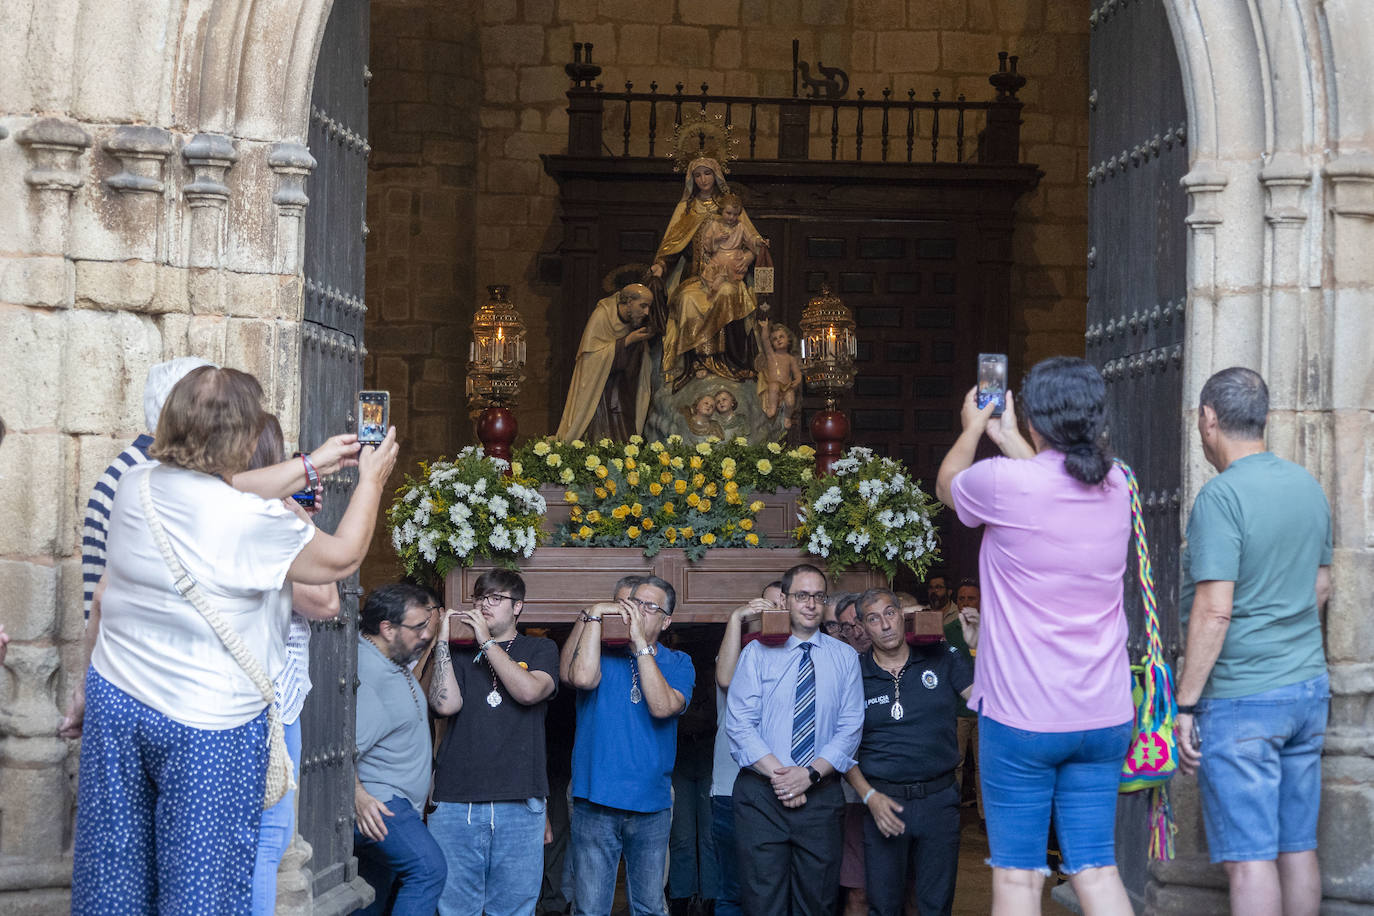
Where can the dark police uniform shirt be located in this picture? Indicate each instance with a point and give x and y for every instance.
(921, 745)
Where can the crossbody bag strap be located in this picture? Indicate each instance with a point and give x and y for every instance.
(187, 587)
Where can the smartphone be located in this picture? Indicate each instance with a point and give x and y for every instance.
(374, 409)
(992, 381)
(305, 498)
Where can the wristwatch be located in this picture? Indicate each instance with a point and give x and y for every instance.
(590, 618)
(815, 777)
(647, 650)
(1188, 710)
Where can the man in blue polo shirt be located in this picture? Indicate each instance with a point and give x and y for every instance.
(628, 702)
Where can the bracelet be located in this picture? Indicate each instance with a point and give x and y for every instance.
(868, 795)
(1188, 710)
(312, 476)
(590, 618)
(488, 644)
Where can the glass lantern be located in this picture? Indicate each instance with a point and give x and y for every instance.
(828, 345)
(496, 355)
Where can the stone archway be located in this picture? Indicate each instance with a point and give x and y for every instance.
(1282, 188)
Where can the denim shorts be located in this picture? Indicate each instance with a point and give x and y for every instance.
(1026, 774)
(1261, 773)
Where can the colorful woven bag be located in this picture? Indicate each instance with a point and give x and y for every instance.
(1153, 756)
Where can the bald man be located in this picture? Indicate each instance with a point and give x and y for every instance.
(609, 393)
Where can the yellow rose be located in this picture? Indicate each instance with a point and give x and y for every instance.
(566, 475)
(703, 448)
(677, 463)
(764, 465)
(775, 448)
(710, 489)
(517, 469)
(806, 451)
(600, 492)
(705, 505)
(632, 478)
(610, 487)
(665, 477)
(603, 442)
(632, 450)
(593, 517)
(570, 496)
(632, 531)
(693, 500)
(740, 440)
(649, 523)
(630, 464)
(674, 439)
(695, 461)
(655, 489)
(592, 462)
(685, 532)
(620, 512)
(680, 486)
(698, 480)
(636, 439)
(756, 506)
(619, 465)
(752, 539)
(727, 467)
(708, 539)
(655, 446)
(670, 534)
(601, 471)
(541, 448)
(669, 509)
(554, 460)
(731, 487)
(733, 499)
(576, 513)
(636, 510)
(746, 523)
(578, 443)
(665, 459)
(584, 532)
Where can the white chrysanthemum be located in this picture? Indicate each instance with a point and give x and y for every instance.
(829, 500)
(412, 494)
(844, 466)
(459, 513)
(858, 538)
(396, 541)
(500, 538)
(480, 486)
(871, 491)
(500, 507)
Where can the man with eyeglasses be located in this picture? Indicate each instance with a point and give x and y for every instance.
(794, 716)
(490, 784)
(628, 702)
(906, 760)
(392, 842)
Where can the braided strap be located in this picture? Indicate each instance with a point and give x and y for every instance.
(280, 775)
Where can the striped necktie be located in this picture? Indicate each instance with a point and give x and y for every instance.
(804, 710)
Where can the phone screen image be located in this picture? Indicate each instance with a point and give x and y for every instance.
(992, 381)
(304, 498)
(372, 411)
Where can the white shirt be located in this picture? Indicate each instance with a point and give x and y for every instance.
(153, 644)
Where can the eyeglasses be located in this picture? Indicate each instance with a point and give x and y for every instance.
(808, 597)
(831, 627)
(434, 607)
(490, 599)
(850, 627)
(414, 627)
(649, 606)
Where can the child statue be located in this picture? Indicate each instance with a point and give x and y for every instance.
(699, 417)
(780, 374)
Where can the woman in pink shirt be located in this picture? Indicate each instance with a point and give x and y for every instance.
(1052, 684)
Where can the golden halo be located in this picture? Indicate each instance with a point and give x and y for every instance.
(702, 134)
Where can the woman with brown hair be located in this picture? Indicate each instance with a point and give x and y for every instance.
(175, 751)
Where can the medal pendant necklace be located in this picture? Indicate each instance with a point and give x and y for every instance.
(896, 711)
(494, 698)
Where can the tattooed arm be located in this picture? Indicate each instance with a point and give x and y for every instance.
(444, 696)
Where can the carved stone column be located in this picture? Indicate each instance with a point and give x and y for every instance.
(142, 153)
(293, 164)
(54, 148)
(210, 157)
(1286, 178)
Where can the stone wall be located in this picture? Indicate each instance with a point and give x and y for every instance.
(745, 47)
(422, 288)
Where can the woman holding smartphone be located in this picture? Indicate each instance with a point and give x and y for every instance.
(1052, 685)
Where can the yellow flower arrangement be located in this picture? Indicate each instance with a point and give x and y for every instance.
(570, 496)
(633, 531)
(775, 448)
(665, 477)
(619, 512)
(708, 539)
(756, 506)
(629, 464)
(727, 468)
(592, 462)
(679, 486)
(664, 458)
(517, 470)
(601, 471)
(669, 509)
(686, 532)
(632, 450)
(566, 476)
(541, 448)
(618, 464)
(584, 532)
(747, 524)
(601, 492)
(704, 505)
(655, 489)
(764, 466)
(593, 517)
(693, 500)
(554, 460)
(752, 539)
(698, 480)
(610, 486)
(632, 478)
(670, 533)
(695, 462)
(710, 489)
(676, 462)
(648, 524)
(637, 510)
(703, 448)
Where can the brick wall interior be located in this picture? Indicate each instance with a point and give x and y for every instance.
(466, 96)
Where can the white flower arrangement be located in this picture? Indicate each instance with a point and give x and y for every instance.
(887, 518)
(456, 511)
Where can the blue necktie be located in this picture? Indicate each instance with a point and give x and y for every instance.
(804, 711)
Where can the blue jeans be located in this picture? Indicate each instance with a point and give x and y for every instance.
(274, 834)
(407, 855)
(599, 836)
(727, 861)
(1076, 773)
(1261, 775)
(495, 854)
(691, 852)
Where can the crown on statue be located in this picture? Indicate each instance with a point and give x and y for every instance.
(703, 135)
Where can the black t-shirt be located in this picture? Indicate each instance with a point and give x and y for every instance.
(495, 753)
(921, 744)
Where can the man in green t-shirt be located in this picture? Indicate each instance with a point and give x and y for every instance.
(1254, 691)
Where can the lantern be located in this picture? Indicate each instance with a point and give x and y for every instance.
(496, 363)
(828, 349)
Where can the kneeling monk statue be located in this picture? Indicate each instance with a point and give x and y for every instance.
(609, 393)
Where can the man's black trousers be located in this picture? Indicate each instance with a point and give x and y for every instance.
(789, 858)
(926, 852)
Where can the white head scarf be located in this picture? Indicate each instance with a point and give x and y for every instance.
(162, 378)
(691, 188)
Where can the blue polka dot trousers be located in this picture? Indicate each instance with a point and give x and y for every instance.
(167, 815)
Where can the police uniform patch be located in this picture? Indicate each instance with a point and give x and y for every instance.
(929, 679)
